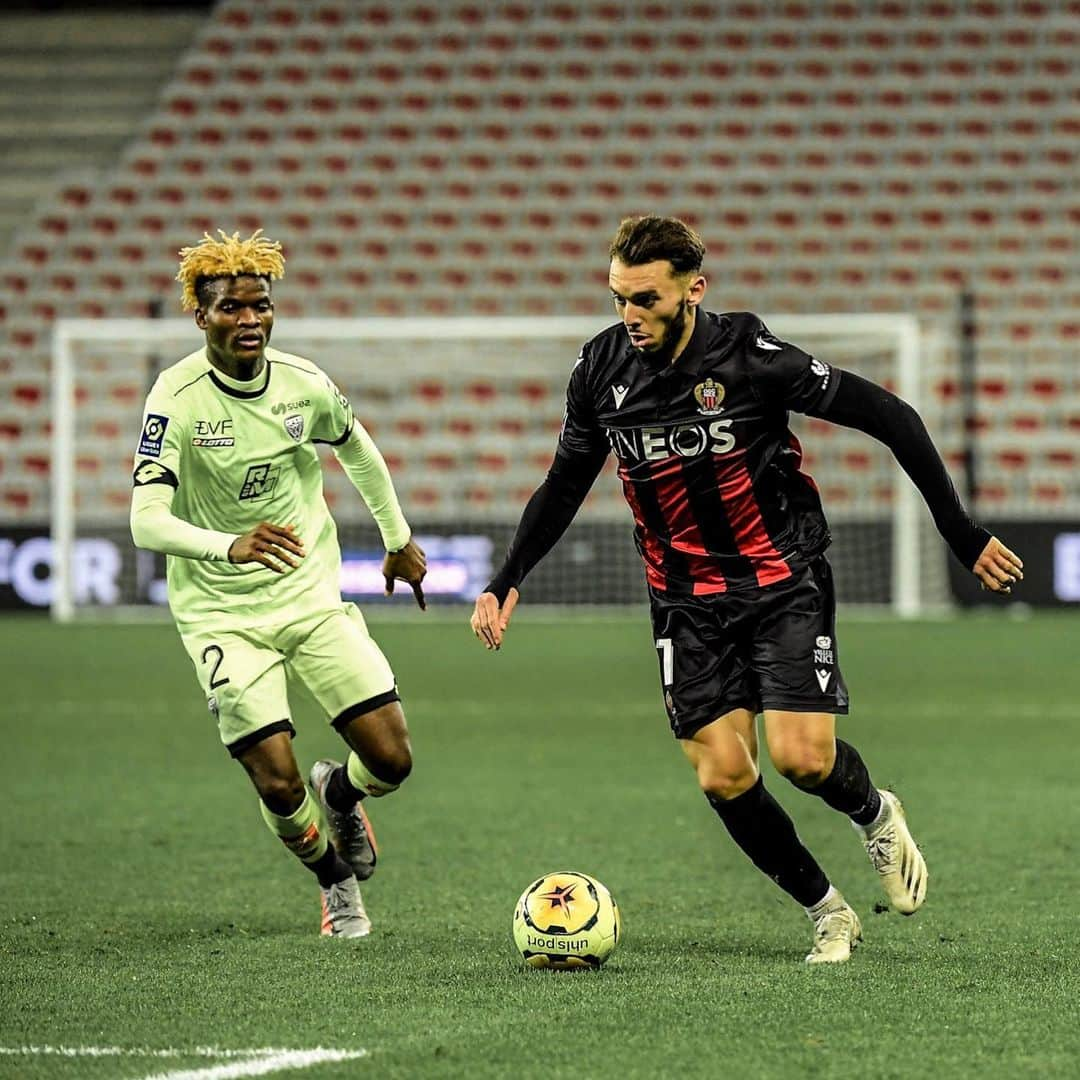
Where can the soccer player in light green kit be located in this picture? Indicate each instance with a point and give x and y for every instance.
(228, 485)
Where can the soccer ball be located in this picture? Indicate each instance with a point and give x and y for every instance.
(566, 920)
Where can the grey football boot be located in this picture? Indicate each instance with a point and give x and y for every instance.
(343, 913)
(351, 833)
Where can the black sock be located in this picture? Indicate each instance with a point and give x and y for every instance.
(330, 867)
(340, 794)
(848, 787)
(759, 825)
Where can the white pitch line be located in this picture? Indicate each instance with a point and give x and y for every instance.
(261, 1066)
(250, 1062)
(135, 1051)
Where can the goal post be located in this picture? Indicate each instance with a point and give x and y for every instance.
(466, 411)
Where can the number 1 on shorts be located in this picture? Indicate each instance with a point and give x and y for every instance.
(667, 660)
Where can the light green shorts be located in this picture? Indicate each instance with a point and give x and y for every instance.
(242, 672)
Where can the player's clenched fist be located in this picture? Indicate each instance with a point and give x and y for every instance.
(275, 546)
(489, 621)
(997, 568)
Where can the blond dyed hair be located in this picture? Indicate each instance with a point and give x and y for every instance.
(228, 257)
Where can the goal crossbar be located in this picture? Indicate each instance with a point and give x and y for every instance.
(901, 330)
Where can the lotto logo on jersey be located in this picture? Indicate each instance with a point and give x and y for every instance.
(259, 483)
(153, 472)
(153, 435)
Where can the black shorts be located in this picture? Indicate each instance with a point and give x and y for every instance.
(774, 648)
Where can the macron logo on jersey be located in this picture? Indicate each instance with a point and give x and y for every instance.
(153, 435)
(619, 394)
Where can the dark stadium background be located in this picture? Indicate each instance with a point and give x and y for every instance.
(457, 158)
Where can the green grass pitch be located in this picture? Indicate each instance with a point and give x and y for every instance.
(144, 905)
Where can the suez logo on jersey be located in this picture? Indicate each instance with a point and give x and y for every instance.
(285, 406)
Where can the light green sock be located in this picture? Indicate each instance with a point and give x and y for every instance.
(302, 832)
(363, 780)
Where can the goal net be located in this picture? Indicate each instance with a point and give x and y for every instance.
(466, 412)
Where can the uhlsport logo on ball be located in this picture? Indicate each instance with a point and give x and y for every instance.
(566, 920)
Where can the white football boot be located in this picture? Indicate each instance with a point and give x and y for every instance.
(895, 856)
(343, 913)
(837, 931)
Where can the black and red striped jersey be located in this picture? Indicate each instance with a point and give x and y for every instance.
(708, 464)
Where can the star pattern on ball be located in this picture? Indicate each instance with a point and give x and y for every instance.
(560, 897)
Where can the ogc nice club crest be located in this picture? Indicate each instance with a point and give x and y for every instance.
(708, 395)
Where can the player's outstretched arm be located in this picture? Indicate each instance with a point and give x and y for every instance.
(273, 546)
(546, 516)
(862, 404)
(490, 618)
(408, 564)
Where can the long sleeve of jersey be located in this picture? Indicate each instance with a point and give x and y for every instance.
(547, 515)
(861, 404)
(365, 467)
(156, 528)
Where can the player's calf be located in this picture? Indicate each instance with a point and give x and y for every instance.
(305, 834)
(846, 787)
(761, 827)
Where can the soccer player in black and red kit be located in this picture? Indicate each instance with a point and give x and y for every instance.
(695, 407)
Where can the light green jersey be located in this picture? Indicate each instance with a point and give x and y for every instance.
(237, 457)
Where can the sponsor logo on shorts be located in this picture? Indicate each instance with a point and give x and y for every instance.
(212, 705)
(824, 659)
(259, 482)
(153, 434)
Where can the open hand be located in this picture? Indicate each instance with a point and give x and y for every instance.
(489, 621)
(997, 568)
(408, 565)
(274, 546)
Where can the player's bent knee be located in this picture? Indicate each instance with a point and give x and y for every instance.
(394, 764)
(725, 784)
(282, 795)
(805, 768)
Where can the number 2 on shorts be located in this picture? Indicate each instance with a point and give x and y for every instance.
(215, 682)
(667, 660)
